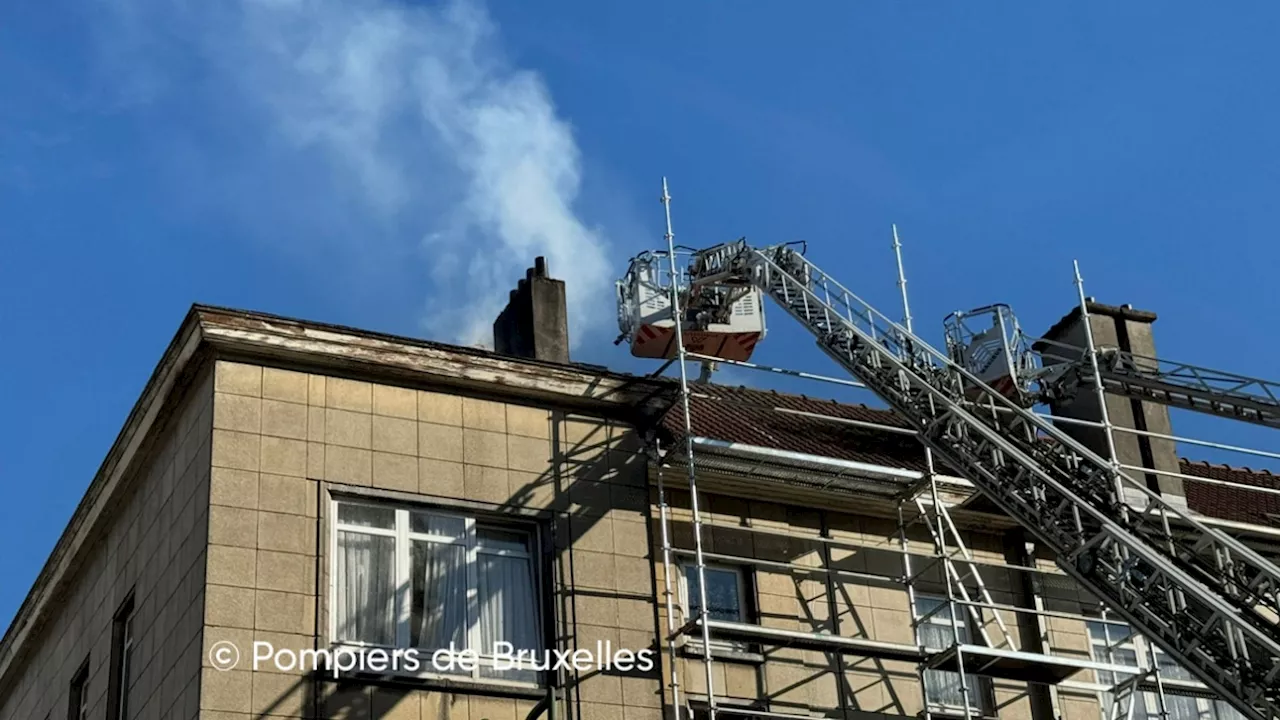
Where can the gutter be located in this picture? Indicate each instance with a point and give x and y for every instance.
(861, 468)
(869, 470)
(1249, 528)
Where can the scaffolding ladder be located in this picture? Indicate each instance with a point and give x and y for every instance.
(1206, 599)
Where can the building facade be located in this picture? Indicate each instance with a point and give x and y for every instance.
(287, 494)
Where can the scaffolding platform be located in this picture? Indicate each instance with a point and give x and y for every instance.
(1018, 665)
(822, 642)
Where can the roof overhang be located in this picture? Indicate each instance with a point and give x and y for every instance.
(420, 363)
(799, 478)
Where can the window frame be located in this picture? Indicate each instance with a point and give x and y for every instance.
(78, 697)
(123, 644)
(1208, 708)
(746, 602)
(401, 532)
(979, 706)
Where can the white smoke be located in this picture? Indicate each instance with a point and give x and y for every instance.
(435, 146)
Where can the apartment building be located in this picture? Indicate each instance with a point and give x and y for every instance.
(286, 489)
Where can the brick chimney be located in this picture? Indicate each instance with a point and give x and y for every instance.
(535, 322)
(1129, 330)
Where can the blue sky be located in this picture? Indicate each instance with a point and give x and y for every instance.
(396, 166)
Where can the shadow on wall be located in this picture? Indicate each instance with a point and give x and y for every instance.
(868, 600)
(588, 478)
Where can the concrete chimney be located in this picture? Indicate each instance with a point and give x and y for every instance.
(1129, 330)
(535, 322)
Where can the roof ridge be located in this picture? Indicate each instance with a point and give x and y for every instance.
(800, 396)
(1235, 468)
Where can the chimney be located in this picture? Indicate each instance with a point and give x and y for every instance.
(535, 322)
(1129, 330)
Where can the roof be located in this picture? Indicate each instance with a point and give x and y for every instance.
(782, 421)
(770, 419)
(1233, 503)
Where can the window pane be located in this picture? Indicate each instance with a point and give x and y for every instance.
(442, 525)
(507, 609)
(926, 605)
(493, 539)
(366, 516)
(1180, 707)
(943, 688)
(1110, 633)
(1226, 711)
(937, 632)
(1127, 701)
(126, 670)
(506, 603)
(936, 637)
(723, 601)
(438, 595)
(365, 602)
(1169, 668)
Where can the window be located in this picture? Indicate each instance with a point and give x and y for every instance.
(937, 630)
(1115, 643)
(78, 701)
(122, 644)
(726, 591)
(426, 579)
(726, 598)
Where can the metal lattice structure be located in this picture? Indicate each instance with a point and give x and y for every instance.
(1035, 370)
(1206, 599)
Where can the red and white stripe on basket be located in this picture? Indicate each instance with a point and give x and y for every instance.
(653, 342)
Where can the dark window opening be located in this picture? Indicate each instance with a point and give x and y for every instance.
(122, 646)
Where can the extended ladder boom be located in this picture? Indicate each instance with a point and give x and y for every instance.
(1208, 600)
(1180, 385)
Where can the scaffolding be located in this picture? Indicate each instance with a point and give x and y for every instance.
(926, 501)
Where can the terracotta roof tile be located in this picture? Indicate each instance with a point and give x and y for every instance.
(767, 418)
(1232, 503)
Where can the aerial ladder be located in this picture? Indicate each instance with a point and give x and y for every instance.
(1205, 598)
(1033, 371)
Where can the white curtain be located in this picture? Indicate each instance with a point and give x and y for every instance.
(943, 687)
(366, 581)
(1180, 707)
(440, 573)
(507, 605)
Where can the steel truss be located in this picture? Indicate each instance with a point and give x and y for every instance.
(1175, 384)
(1207, 599)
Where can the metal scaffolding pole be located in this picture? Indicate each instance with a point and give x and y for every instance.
(909, 580)
(1099, 391)
(664, 514)
(939, 538)
(703, 612)
(1114, 459)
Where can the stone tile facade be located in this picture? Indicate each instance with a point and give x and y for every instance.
(284, 442)
(152, 544)
(867, 599)
(225, 537)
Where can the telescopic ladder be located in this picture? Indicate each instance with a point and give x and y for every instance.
(1208, 600)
